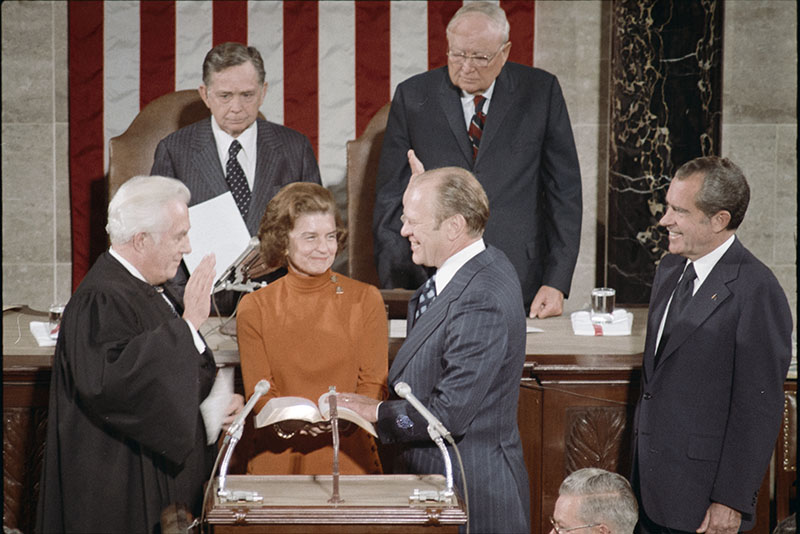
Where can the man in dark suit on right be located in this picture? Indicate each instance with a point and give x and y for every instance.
(506, 123)
(716, 354)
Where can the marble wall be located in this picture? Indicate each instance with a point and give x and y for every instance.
(572, 40)
(36, 226)
(666, 94)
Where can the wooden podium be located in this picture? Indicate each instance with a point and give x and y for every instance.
(370, 504)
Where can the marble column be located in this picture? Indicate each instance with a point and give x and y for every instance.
(666, 74)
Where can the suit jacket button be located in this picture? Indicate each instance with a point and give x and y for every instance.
(647, 396)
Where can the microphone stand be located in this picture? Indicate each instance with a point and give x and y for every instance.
(236, 277)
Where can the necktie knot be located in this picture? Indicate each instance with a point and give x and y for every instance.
(426, 297)
(475, 130)
(689, 274)
(234, 149)
(479, 101)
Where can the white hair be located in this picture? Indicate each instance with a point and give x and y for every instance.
(606, 498)
(139, 205)
(492, 11)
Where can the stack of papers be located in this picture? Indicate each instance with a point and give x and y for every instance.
(620, 324)
(41, 332)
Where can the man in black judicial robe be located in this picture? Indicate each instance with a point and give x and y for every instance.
(125, 436)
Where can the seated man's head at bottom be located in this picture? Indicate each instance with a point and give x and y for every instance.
(595, 501)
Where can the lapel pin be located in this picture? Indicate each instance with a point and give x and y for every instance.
(714, 296)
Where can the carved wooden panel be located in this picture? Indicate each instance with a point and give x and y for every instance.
(594, 438)
(24, 431)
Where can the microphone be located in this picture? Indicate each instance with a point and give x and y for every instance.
(435, 426)
(262, 387)
(233, 272)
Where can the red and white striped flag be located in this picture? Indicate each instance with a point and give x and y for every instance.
(330, 66)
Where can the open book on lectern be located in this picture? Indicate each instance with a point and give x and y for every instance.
(281, 409)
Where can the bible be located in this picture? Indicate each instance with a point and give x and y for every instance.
(280, 409)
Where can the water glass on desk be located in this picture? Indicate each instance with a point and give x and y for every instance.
(603, 301)
(54, 319)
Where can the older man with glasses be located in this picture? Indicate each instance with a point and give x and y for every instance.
(506, 123)
(596, 501)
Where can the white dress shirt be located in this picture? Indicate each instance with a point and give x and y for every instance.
(702, 268)
(468, 103)
(246, 156)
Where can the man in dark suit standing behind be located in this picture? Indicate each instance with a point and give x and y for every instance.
(463, 354)
(235, 150)
(508, 124)
(270, 155)
(716, 354)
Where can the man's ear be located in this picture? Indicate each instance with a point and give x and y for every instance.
(720, 220)
(456, 225)
(204, 95)
(603, 529)
(138, 241)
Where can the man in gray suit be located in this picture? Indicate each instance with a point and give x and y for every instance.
(235, 150)
(508, 124)
(463, 354)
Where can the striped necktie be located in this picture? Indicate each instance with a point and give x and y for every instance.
(476, 125)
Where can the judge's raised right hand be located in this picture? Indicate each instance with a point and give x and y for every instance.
(196, 301)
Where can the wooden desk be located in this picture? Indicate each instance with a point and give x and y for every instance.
(577, 395)
(299, 504)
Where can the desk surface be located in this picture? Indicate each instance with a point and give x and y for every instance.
(556, 345)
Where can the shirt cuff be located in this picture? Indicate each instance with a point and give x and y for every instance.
(198, 341)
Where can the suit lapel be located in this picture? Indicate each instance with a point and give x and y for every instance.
(502, 100)
(207, 167)
(658, 304)
(267, 161)
(430, 321)
(449, 99)
(708, 298)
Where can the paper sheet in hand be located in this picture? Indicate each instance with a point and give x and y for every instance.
(214, 408)
(218, 227)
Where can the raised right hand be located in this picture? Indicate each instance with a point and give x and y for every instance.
(197, 295)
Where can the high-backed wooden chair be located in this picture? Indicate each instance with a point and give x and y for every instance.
(131, 153)
(362, 171)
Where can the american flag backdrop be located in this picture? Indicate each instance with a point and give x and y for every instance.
(330, 66)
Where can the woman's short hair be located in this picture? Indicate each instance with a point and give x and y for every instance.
(294, 200)
(227, 55)
(140, 205)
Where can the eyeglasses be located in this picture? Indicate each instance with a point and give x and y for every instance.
(480, 61)
(561, 530)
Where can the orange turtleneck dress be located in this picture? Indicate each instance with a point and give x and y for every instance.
(304, 334)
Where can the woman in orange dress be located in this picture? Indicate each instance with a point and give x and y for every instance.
(309, 330)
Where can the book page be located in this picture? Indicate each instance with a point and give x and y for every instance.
(287, 409)
(345, 413)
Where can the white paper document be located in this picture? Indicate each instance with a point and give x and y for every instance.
(218, 227)
(214, 407)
